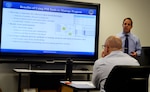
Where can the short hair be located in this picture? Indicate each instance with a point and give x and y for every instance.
(114, 42)
(128, 19)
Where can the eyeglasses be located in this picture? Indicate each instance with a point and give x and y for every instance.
(103, 46)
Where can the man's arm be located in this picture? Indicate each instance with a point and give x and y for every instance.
(138, 48)
(95, 77)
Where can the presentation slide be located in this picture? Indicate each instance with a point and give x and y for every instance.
(47, 28)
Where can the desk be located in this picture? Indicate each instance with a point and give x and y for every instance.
(20, 71)
(77, 85)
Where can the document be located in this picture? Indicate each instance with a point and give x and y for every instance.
(82, 84)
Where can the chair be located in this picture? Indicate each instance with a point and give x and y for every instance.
(145, 56)
(128, 79)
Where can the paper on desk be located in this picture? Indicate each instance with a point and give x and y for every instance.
(83, 84)
(30, 90)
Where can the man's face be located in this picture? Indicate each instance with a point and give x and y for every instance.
(127, 26)
(106, 49)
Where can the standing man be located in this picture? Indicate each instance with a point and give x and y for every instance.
(130, 43)
(112, 55)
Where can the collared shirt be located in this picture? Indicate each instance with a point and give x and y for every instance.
(103, 66)
(134, 43)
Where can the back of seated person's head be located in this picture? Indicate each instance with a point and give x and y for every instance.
(114, 43)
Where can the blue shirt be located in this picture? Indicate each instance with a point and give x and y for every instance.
(134, 43)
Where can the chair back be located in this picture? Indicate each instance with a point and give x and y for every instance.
(128, 79)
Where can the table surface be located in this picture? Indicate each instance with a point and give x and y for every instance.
(47, 72)
(51, 71)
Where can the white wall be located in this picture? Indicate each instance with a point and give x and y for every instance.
(112, 13)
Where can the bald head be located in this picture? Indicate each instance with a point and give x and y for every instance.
(114, 43)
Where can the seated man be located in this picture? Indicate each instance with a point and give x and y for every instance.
(111, 56)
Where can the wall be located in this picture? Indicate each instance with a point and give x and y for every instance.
(112, 13)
